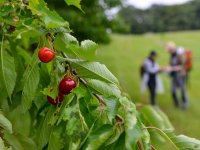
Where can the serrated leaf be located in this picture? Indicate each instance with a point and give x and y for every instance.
(5, 123)
(88, 49)
(120, 144)
(93, 70)
(26, 142)
(55, 141)
(75, 3)
(183, 142)
(16, 116)
(67, 43)
(44, 131)
(166, 121)
(7, 68)
(31, 80)
(73, 126)
(50, 18)
(137, 133)
(155, 118)
(114, 137)
(112, 105)
(128, 112)
(13, 141)
(2, 145)
(103, 88)
(99, 137)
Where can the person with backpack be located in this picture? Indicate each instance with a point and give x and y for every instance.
(149, 73)
(178, 73)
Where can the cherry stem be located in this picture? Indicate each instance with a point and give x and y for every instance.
(65, 56)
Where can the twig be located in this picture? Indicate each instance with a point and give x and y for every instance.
(139, 144)
(96, 95)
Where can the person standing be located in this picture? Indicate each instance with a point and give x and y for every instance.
(150, 77)
(178, 73)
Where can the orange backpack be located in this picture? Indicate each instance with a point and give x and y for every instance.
(188, 63)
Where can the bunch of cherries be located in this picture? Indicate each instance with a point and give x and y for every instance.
(46, 55)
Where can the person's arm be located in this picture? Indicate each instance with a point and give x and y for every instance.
(152, 69)
(181, 64)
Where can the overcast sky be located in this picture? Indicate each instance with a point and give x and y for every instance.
(147, 3)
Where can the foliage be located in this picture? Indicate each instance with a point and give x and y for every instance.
(95, 115)
(91, 24)
(160, 18)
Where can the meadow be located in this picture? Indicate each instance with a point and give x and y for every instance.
(124, 56)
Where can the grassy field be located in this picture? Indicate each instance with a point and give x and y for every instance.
(124, 55)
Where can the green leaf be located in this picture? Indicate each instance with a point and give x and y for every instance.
(44, 131)
(128, 112)
(16, 116)
(31, 79)
(75, 3)
(112, 105)
(115, 137)
(93, 70)
(73, 126)
(146, 141)
(166, 121)
(50, 18)
(2, 145)
(106, 89)
(99, 137)
(5, 123)
(26, 142)
(20, 142)
(13, 141)
(165, 135)
(183, 142)
(88, 49)
(55, 141)
(120, 144)
(7, 68)
(156, 118)
(67, 43)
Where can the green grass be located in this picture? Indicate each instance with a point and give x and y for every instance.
(124, 55)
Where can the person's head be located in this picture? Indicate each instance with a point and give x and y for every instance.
(153, 55)
(171, 47)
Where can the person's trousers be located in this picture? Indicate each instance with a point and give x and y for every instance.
(152, 90)
(179, 82)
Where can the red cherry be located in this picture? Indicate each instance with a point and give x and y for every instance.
(45, 54)
(58, 99)
(66, 85)
(12, 28)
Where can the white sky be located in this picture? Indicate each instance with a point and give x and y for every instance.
(147, 3)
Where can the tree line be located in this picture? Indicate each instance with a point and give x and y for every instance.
(160, 18)
(93, 23)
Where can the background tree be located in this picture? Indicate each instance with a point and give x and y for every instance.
(90, 24)
(160, 18)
